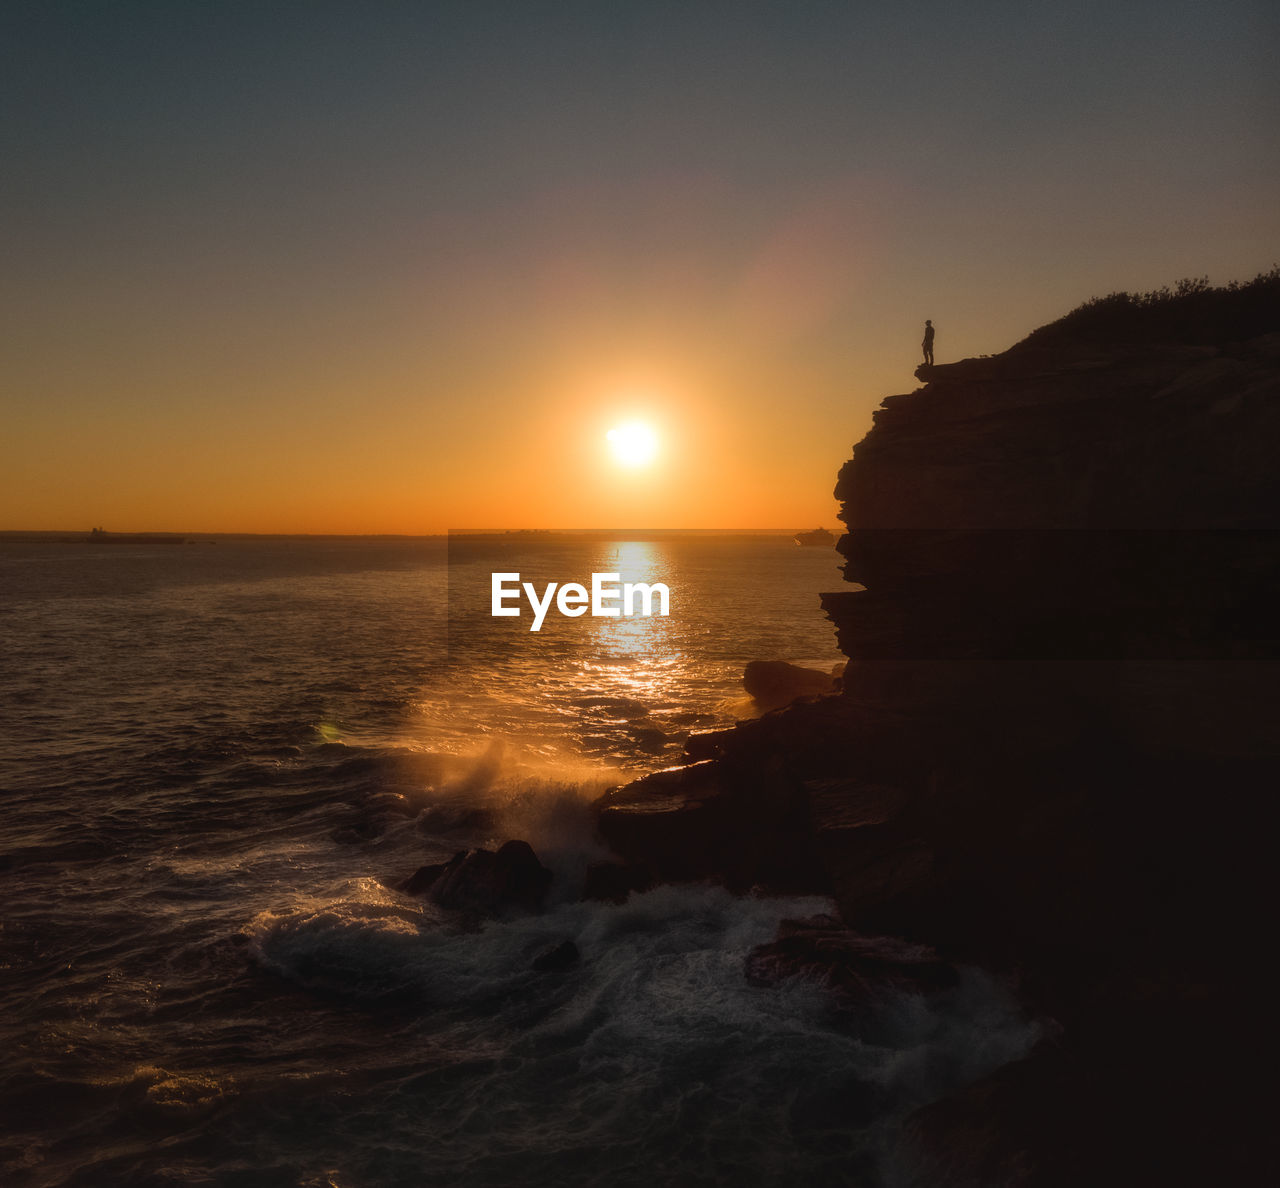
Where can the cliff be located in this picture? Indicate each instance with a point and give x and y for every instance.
(1055, 750)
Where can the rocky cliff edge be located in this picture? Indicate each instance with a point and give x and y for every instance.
(1055, 751)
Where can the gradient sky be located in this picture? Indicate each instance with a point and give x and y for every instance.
(397, 267)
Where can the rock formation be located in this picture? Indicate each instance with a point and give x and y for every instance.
(482, 881)
(1055, 748)
(775, 683)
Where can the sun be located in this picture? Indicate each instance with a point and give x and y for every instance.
(633, 444)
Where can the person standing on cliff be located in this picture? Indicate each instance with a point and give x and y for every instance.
(928, 343)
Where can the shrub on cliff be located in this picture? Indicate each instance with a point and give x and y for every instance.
(1191, 313)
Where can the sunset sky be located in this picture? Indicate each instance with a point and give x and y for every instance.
(399, 267)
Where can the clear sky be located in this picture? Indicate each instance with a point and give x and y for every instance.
(399, 267)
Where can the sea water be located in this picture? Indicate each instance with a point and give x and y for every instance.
(216, 762)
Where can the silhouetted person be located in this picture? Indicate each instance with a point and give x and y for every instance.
(928, 343)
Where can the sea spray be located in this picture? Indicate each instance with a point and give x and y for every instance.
(655, 1038)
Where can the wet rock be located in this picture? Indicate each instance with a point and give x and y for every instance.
(565, 955)
(774, 683)
(424, 877)
(703, 822)
(705, 744)
(856, 969)
(484, 881)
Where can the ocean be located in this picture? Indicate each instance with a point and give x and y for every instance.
(217, 760)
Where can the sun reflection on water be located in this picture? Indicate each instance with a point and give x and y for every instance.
(639, 635)
(623, 690)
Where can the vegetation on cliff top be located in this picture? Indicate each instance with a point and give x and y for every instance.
(1191, 313)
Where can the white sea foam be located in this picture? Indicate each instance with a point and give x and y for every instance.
(658, 1001)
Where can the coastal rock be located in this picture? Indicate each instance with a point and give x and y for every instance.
(424, 877)
(774, 683)
(485, 881)
(740, 827)
(744, 815)
(705, 744)
(855, 969)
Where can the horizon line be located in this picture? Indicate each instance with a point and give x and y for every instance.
(11, 533)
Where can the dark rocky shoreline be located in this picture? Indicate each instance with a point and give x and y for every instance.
(1054, 752)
